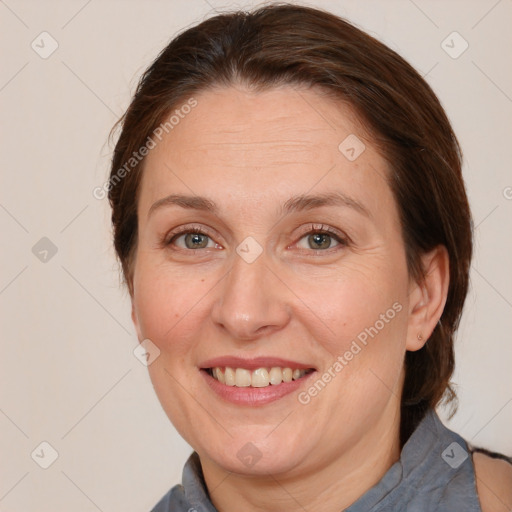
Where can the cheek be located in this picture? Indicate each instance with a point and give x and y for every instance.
(360, 322)
(167, 305)
(355, 299)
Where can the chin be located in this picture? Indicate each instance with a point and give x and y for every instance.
(267, 456)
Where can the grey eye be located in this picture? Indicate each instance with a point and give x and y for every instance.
(196, 241)
(193, 240)
(318, 241)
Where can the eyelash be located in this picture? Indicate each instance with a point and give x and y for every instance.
(326, 230)
(343, 240)
(185, 231)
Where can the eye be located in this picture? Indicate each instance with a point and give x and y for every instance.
(321, 238)
(191, 239)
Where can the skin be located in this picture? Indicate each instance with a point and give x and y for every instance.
(494, 483)
(249, 153)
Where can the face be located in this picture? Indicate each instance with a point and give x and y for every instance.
(264, 247)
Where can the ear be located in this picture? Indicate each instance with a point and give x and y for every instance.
(427, 297)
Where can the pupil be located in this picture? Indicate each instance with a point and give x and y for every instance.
(321, 239)
(196, 240)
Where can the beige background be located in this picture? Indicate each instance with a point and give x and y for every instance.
(69, 376)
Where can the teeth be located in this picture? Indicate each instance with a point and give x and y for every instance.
(275, 376)
(229, 376)
(259, 378)
(287, 375)
(219, 375)
(242, 378)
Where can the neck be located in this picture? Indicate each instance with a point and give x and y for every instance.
(330, 487)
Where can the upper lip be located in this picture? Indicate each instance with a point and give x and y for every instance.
(253, 363)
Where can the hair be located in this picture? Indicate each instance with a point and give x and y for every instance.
(284, 44)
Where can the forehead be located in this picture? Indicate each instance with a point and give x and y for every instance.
(242, 143)
(281, 120)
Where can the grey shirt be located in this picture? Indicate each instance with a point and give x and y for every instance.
(435, 473)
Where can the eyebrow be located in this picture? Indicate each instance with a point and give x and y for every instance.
(308, 202)
(189, 202)
(298, 203)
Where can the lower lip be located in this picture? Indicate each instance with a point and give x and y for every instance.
(254, 396)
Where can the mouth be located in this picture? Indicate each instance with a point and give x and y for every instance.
(258, 378)
(256, 381)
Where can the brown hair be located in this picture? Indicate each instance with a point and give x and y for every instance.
(286, 44)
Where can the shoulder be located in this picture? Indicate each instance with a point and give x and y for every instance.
(493, 483)
(173, 500)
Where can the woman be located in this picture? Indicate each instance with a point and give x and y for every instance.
(292, 224)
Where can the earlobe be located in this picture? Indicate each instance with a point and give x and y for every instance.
(428, 297)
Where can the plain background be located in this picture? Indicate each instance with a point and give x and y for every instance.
(69, 376)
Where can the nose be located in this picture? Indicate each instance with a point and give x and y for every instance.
(252, 301)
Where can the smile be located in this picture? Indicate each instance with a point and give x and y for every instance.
(257, 378)
(255, 381)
